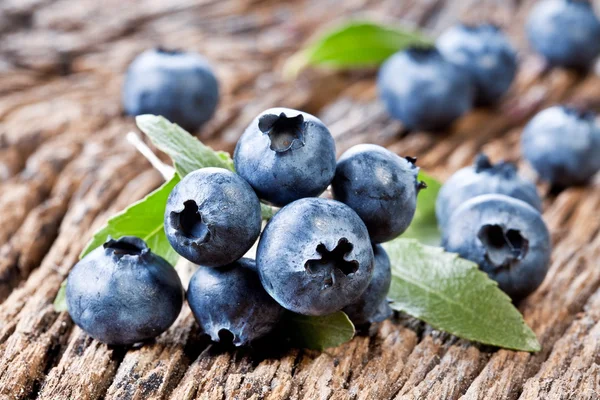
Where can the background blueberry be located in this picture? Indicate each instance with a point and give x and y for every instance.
(122, 293)
(286, 155)
(483, 178)
(423, 90)
(565, 32)
(315, 257)
(506, 237)
(486, 54)
(179, 86)
(230, 303)
(212, 217)
(372, 306)
(563, 145)
(380, 186)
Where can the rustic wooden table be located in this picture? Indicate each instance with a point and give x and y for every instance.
(65, 167)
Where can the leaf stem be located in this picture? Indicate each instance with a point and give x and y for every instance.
(165, 170)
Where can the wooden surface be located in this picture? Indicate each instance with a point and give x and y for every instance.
(65, 167)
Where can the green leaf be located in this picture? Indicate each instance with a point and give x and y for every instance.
(318, 333)
(353, 45)
(424, 226)
(453, 295)
(143, 219)
(60, 301)
(187, 152)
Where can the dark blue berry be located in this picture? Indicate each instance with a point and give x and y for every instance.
(122, 293)
(423, 90)
(565, 32)
(380, 186)
(230, 303)
(506, 237)
(286, 155)
(563, 145)
(212, 217)
(179, 86)
(483, 178)
(372, 306)
(315, 256)
(486, 54)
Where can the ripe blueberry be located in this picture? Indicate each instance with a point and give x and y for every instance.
(212, 217)
(286, 155)
(506, 237)
(315, 256)
(483, 178)
(122, 293)
(179, 86)
(563, 145)
(380, 186)
(565, 32)
(230, 303)
(485, 53)
(372, 306)
(423, 90)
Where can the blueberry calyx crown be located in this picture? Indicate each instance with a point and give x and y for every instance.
(483, 164)
(578, 112)
(189, 223)
(332, 260)
(504, 247)
(422, 52)
(126, 246)
(171, 52)
(285, 133)
(420, 184)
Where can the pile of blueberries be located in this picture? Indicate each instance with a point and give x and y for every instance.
(316, 256)
(321, 253)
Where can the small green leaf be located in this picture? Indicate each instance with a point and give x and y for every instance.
(353, 45)
(424, 226)
(318, 333)
(60, 301)
(453, 295)
(187, 152)
(143, 219)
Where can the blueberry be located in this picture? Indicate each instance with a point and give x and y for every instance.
(315, 256)
(563, 145)
(506, 237)
(212, 217)
(179, 86)
(230, 303)
(121, 293)
(565, 32)
(423, 90)
(486, 54)
(372, 306)
(380, 186)
(483, 178)
(286, 155)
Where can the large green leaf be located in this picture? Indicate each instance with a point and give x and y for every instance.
(187, 152)
(354, 44)
(424, 226)
(453, 295)
(318, 333)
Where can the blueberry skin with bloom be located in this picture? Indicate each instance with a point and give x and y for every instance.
(506, 237)
(563, 145)
(483, 178)
(484, 52)
(230, 304)
(565, 32)
(315, 256)
(212, 217)
(423, 90)
(380, 186)
(121, 293)
(286, 155)
(179, 86)
(372, 306)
